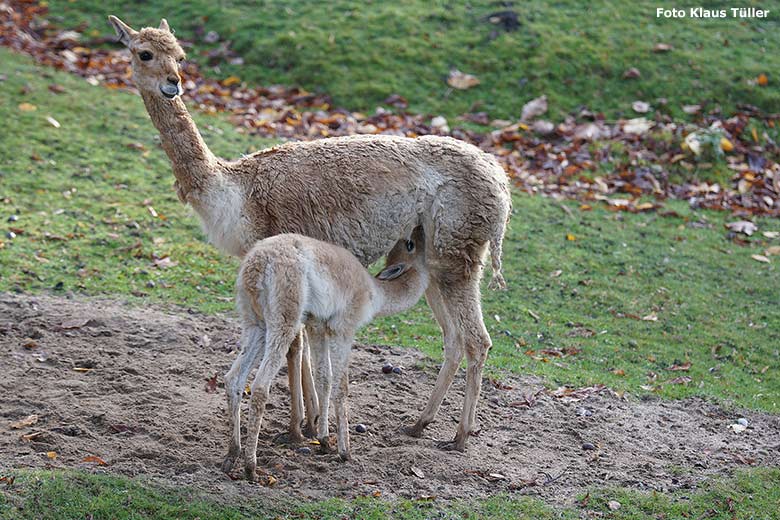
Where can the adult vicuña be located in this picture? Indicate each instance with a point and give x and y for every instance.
(288, 281)
(362, 193)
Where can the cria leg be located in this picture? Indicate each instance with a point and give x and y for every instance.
(277, 345)
(252, 346)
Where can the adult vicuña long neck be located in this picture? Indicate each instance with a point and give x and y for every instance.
(190, 157)
(402, 293)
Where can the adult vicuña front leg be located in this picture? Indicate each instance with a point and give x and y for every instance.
(340, 365)
(453, 353)
(323, 381)
(252, 347)
(469, 322)
(294, 382)
(311, 401)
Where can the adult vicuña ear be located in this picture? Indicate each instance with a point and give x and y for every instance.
(392, 272)
(123, 31)
(164, 25)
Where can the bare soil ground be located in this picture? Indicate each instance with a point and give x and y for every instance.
(129, 385)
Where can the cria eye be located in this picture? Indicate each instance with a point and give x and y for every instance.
(145, 55)
(409, 246)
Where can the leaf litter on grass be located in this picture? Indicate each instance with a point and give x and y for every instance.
(583, 157)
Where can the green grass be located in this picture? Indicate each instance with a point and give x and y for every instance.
(43, 495)
(575, 52)
(81, 195)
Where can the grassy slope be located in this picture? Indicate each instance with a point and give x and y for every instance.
(714, 294)
(708, 294)
(575, 52)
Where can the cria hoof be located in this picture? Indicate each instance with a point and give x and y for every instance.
(325, 446)
(310, 431)
(228, 463)
(288, 439)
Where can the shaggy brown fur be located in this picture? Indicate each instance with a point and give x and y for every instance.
(362, 193)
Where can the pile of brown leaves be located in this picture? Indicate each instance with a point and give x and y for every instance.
(574, 159)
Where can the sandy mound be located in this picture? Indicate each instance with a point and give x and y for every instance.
(129, 385)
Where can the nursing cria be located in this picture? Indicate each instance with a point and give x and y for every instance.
(290, 281)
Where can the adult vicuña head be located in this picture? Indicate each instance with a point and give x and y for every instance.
(156, 57)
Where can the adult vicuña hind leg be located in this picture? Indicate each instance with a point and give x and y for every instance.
(454, 297)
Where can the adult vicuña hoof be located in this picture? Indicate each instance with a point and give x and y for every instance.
(413, 431)
(452, 445)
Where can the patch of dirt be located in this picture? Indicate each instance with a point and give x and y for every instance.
(139, 402)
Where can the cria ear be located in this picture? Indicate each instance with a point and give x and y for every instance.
(392, 272)
(123, 31)
(164, 25)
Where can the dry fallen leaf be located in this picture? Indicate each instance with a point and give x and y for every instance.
(75, 323)
(640, 107)
(761, 258)
(762, 80)
(683, 367)
(692, 143)
(637, 126)
(772, 251)
(27, 107)
(570, 237)
(662, 47)
(230, 81)
(94, 458)
(51, 454)
(691, 109)
(24, 423)
(632, 73)
(742, 226)
(461, 80)
(614, 505)
(165, 262)
(726, 145)
(211, 384)
(650, 317)
(534, 108)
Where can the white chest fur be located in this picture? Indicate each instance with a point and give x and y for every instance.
(221, 215)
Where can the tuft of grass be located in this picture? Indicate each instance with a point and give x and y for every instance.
(572, 51)
(750, 495)
(626, 296)
(65, 495)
